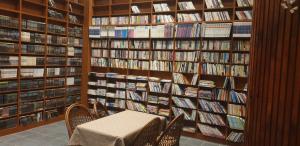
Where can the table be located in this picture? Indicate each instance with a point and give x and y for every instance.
(116, 130)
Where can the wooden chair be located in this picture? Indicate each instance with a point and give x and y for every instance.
(149, 134)
(171, 136)
(99, 110)
(75, 115)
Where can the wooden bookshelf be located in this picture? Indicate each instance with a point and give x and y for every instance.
(52, 107)
(113, 8)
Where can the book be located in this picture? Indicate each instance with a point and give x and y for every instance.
(244, 15)
(187, 30)
(212, 119)
(206, 83)
(241, 45)
(156, 65)
(138, 65)
(210, 131)
(217, 16)
(56, 72)
(240, 58)
(211, 30)
(186, 67)
(215, 69)
(187, 45)
(135, 9)
(237, 97)
(215, 45)
(162, 19)
(141, 19)
(188, 17)
(119, 20)
(161, 7)
(242, 29)
(162, 31)
(183, 102)
(236, 122)
(139, 44)
(244, 3)
(236, 110)
(33, 25)
(162, 55)
(136, 106)
(188, 5)
(34, 49)
(6, 34)
(239, 70)
(191, 116)
(236, 137)
(100, 21)
(8, 98)
(8, 73)
(55, 14)
(212, 106)
(214, 57)
(214, 4)
(57, 29)
(162, 44)
(9, 60)
(9, 21)
(187, 56)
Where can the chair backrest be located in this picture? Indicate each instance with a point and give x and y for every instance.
(171, 136)
(149, 134)
(75, 115)
(99, 110)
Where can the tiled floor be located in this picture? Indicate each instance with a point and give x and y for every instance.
(56, 135)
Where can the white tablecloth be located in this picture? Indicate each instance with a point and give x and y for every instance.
(116, 130)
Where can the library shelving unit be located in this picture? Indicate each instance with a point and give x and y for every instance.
(213, 107)
(40, 61)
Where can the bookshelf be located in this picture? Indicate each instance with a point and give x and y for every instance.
(212, 54)
(41, 46)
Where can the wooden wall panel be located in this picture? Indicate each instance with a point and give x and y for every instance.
(274, 86)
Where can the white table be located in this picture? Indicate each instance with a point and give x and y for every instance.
(116, 130)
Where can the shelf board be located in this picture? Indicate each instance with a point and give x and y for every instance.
(34, 3)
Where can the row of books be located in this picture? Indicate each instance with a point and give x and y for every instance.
(244, 3)
(8, 86)
(9, 21)
(240, 58)
(9, 98)
(244, 15)
(213, 57)
(210, 4)
(10, 35)
(217, 16)
(236, 110)
(188, 17)
(182, 90)
(161, 7)
(212, 106)
(187, 30)
(191, 116)
(240, 29)
(183, 102)
(210, 131)
(215, 45)
(9, 60)
(212, 119)
(179, 78)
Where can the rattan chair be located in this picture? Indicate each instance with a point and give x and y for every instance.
(75, 115)
(99, 110)
(171, 136)
(149, 134)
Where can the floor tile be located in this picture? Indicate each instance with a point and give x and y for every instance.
(56, 135)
